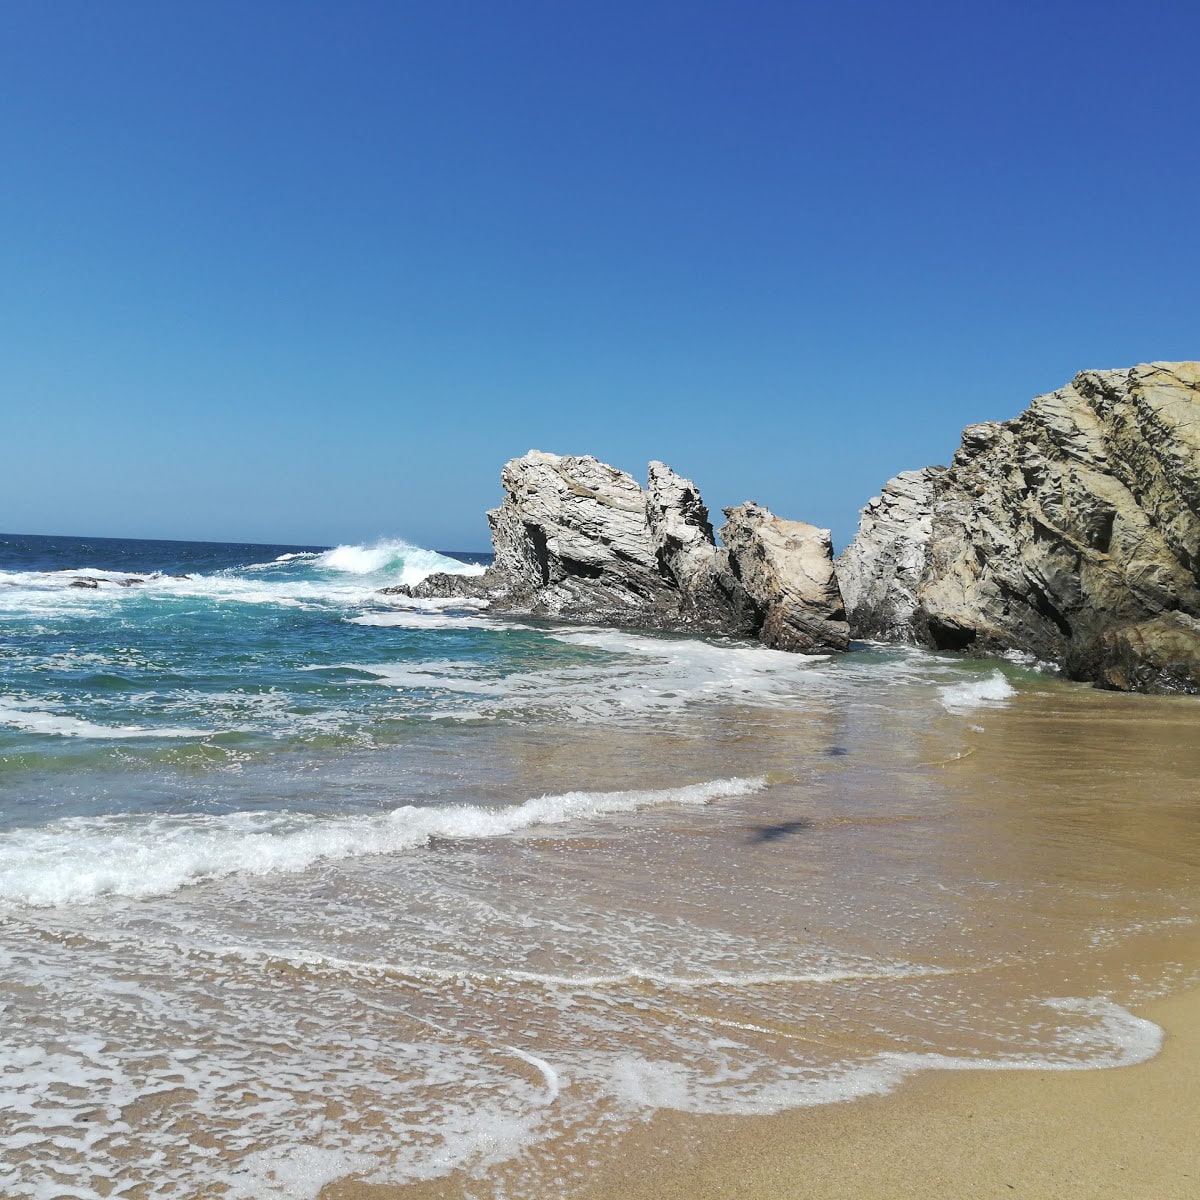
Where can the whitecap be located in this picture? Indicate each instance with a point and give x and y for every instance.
(395, 557)
(990, 691)
(36, 720)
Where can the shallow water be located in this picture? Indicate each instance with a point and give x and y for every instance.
(384, 891)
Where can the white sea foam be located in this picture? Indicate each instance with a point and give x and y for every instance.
(1103, 1035)
(438, 1099)
(423, 619)
(390, 556)
(990, 691)
(641, 675)
(77, 859)
(586, 981)
(348, 575)
(35, 720)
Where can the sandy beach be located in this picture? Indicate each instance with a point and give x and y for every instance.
(1051, 814)
(1124, 1132)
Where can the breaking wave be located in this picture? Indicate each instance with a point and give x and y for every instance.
(78, 859)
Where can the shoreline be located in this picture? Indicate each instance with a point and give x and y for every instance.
(1125, 1132)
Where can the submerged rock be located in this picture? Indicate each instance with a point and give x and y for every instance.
(443, 585)
(1071, 532)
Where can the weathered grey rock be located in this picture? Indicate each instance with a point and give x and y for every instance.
(710, 596)
(786, 568)
(1159, 655)
(445, 586)
(571, 539)
(577, 539)
(1053, 532)
(879, 571)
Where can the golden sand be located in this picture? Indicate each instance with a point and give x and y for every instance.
(1129, 1133)
(1090, 793)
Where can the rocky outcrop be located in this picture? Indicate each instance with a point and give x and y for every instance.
(571, 539)
(710, 594)
(577, 539)
(880, 571)
(786, 568)
(1071, 532)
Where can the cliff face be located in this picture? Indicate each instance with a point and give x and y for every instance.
(880, 571)
(577, 539)
(1071, 532)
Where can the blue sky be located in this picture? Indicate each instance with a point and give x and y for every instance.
(299, 272)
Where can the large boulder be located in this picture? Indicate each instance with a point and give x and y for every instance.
(571, 539)
(1159, 655)
(1053, 532)
(786, 568)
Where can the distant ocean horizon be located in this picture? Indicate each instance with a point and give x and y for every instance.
(300, 881)
(107, 551)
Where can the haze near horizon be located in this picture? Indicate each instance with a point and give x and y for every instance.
(309, 274)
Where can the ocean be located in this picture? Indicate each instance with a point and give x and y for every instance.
(300, 882)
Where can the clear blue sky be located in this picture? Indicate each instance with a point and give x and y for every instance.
(301, 272)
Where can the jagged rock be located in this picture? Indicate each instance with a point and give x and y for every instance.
(710, 596)
(442, 585)
(85, 582)
(575, 538)
(879, 571)
(571, 539)
(1067, 532)
(786, 568)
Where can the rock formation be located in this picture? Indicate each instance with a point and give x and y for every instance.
(1071, 532)
(879, 571)
(710, 595)
(786, 567)
(577, 539)
(571, 539)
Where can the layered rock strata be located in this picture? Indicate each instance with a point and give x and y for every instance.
(880, 571)
(1071, 532)
(786, 567)
(577, 539)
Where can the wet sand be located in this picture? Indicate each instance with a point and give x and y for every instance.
(1127, 1132)
(1092, 798)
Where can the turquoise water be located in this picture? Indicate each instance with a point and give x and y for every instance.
(299, 880)
(185, 651)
